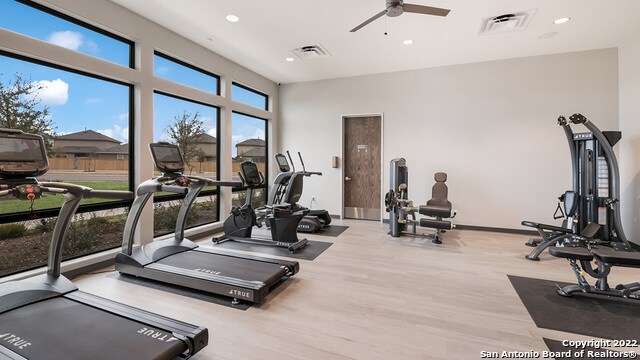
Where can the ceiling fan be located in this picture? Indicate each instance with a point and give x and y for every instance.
(397, 7)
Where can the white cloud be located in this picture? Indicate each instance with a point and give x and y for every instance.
(236, 139)
(91, 46)
(259, 134)
(55, 92)
(162, 69)
(117, 132)
(212, 132)
(124, 116)
(68, 39)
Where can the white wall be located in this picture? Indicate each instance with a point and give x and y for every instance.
(491, 126)
(629, 75)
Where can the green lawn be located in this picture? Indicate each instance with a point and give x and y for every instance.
(47, 201)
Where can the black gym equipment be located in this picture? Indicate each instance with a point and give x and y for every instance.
(179, 261)
(315, 220)
(46, 316)
(595, 194)
(605, 259)
(400, 207)
(282, 219)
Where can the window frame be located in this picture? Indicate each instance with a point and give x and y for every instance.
(264, 186)
(83, 208)
(187, 65)
(216, 192)
(266, 97)
(71, 19)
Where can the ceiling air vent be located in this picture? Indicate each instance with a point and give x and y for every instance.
(311, 52)
(506, 23)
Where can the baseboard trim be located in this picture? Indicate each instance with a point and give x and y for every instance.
(334, 216)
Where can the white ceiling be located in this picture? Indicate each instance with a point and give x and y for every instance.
(268, 30)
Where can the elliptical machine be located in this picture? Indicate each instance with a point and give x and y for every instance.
(315, 220)
(282, 219)
(595, 194)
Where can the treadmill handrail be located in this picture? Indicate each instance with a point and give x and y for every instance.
(72, 198)
(148, 187)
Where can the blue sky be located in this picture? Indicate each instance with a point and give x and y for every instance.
(77, 102)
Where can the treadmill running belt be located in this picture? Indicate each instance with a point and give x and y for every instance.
(224, 265)
(62, 329)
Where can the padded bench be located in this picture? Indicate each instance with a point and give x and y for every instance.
(621, 258)
(577, 253)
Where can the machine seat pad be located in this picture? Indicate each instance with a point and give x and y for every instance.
(546, 227)
(613, 257)
(435, 224)
(577, 253)
(435, 211)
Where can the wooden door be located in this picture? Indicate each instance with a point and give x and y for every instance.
(362, 156)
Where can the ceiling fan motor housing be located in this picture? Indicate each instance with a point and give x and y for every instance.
(394, 8)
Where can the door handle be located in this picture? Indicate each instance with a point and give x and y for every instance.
(346, 178)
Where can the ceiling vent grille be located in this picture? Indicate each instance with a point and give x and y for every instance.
(311, 52)
(506, 23)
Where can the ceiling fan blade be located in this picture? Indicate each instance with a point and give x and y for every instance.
(428, 10)
(368, 21)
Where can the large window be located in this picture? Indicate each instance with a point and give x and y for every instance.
(37, 21)
(86, 123)
(194, 128)
(178, 71)
(249, 139)
(245, 95)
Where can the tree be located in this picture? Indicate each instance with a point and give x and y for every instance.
(20, 109)
(185, 131)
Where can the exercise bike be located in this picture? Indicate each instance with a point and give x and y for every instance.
(282, 219)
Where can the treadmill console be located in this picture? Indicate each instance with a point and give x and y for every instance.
(22, 155)
(167, 158)
(283, 164)
(250, 174)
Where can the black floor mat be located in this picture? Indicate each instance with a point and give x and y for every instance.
(556, 346)
(179, 290)
(585, 314)
(309, 252)
(332, 230)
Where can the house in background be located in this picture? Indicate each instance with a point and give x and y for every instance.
(118, 152)
(208, 145)
(252, 149)
(84, 144)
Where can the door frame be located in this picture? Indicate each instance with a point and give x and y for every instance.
(342, 119)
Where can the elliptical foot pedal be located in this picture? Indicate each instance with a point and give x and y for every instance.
(293, 248)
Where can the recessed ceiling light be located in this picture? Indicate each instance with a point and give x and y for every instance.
(232, 18)
(289, 59)
(407, 42)
(561, 20)
(548, 35)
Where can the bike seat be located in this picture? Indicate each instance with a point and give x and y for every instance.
(577, 253)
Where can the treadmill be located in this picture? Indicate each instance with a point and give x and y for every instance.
(46, 316)
(179, 261)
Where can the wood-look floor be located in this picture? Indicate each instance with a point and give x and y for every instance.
(371, 296)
